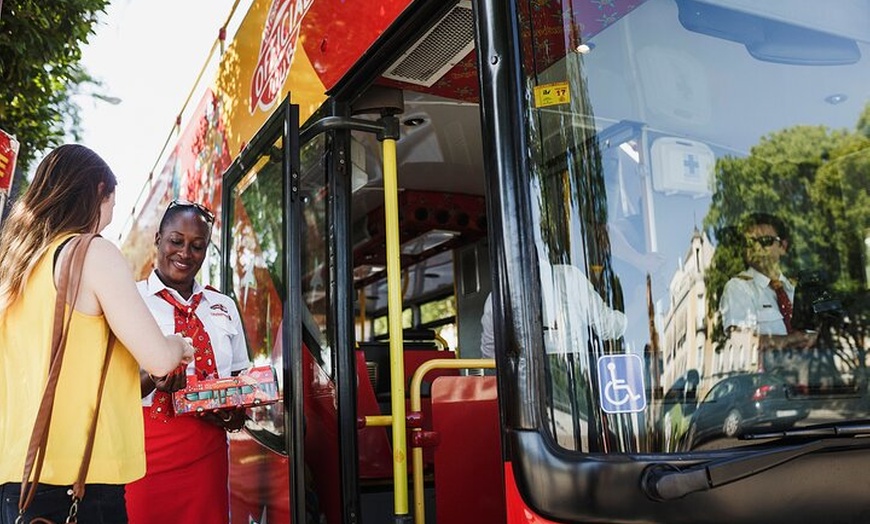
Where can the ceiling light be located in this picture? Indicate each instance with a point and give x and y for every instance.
(414, 121)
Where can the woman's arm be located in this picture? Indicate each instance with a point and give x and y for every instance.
(108, 287)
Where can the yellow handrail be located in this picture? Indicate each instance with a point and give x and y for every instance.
(378, 420)
(394, 318)
(416, 406)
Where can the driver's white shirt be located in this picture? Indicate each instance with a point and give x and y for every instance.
(748, 302)
(570, 306)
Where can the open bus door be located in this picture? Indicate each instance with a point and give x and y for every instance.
(358, 458)
(260, 199)
(276, 195)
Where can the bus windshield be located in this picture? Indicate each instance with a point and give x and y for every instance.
(700, 174)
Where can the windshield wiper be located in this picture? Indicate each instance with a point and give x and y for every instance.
(852, 428)
(667, 482)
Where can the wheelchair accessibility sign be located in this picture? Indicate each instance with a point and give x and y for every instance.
(620, 384)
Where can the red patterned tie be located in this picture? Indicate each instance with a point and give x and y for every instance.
(783, 302)
(187, 324)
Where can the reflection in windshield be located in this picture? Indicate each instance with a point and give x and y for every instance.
(712, 188)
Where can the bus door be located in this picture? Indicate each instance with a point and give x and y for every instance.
(278, 195)
(263, 201)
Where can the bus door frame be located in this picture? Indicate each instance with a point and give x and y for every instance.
(283, 123)
(387, 130)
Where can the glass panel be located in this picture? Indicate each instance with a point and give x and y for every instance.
(685, 154)
(381, 325)
(440, 315)
(256, 253)
(437, 310)
(315, 270)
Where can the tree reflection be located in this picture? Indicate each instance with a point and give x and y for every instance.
(816, 179)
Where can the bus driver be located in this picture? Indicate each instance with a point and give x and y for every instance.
(760, 298)
(570, 303)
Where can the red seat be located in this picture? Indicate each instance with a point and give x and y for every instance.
(469, 479)
(375, 453)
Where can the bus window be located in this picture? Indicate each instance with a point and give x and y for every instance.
(711, 188)
(380, 325)
(440, 315)
(434, 311)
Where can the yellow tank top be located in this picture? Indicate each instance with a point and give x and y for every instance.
(25, 343)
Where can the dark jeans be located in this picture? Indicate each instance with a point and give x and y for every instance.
(103, 504)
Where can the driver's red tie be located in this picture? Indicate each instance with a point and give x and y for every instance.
(783, 302)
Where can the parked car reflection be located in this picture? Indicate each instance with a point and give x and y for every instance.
(742, 402)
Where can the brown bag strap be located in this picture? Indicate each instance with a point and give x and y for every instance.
(68, 284)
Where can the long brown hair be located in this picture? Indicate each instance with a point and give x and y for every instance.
(65, 196)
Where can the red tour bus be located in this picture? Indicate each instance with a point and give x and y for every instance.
(625, 181)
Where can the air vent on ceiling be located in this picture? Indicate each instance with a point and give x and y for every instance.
(441, 48)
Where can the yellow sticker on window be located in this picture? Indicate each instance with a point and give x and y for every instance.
(552, 94)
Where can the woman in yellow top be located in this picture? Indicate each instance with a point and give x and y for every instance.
(73, 192)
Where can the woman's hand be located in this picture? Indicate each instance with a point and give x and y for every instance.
(186, 346)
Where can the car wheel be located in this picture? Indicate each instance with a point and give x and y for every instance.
(731, 425)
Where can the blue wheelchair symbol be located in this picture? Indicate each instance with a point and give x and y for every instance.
(620, 384)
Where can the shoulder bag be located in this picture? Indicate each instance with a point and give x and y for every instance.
(70, 280)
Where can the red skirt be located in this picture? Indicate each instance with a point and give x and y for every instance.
(186, 476)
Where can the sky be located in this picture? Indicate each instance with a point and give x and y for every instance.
(147, 54)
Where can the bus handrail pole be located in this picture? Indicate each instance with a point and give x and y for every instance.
(394, 316)
(417, 405)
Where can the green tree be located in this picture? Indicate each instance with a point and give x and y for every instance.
(777, 178)
(816, 179)
(789, 174)
(40, 53)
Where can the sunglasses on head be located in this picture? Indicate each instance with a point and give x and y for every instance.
(201, 209)
(765, 241)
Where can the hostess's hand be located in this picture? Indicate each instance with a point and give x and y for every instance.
(171, 382)
(232, 419)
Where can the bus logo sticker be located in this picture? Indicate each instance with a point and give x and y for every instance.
(620, 384)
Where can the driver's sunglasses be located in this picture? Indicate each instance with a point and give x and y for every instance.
(204, 211)
(765, 241)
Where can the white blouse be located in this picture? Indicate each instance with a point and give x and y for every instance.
(219, 316)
